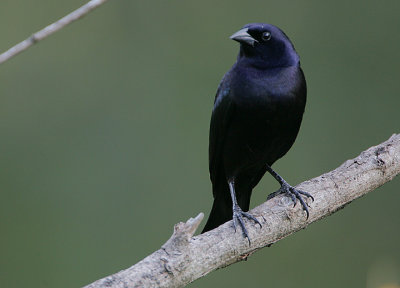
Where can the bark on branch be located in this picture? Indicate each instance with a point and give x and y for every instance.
(50, 29)
(184, 258)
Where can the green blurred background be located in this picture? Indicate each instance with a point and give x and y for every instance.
(104, 137)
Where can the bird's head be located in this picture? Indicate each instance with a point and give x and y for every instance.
(265, 45)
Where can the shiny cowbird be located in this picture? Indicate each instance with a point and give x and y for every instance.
(256, 117)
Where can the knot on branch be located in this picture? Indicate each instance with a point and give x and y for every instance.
(182, 234)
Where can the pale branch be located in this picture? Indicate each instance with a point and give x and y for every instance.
(184, 258)
(50, 29)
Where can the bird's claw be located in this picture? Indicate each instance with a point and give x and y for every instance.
(294, 194)
(238, 215)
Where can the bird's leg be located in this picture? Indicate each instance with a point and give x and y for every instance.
(289, 190)
(238, 213)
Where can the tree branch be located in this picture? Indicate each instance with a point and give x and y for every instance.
(184, 258)
(50, 29)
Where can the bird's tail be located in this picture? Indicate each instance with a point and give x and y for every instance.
(221, 212)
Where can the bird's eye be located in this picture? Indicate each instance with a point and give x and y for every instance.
(266, 36)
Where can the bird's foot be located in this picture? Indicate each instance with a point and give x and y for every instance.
(238, 215)
(294, 194)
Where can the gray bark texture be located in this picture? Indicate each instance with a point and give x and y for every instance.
(184, 258)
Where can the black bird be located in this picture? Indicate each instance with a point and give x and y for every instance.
(256, 117)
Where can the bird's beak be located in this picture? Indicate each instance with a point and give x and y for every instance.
(243, 37)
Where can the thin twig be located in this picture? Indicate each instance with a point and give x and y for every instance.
(184, 258)
(50, 29)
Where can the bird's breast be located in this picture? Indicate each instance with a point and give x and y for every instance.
(267, 88)
(268, 112)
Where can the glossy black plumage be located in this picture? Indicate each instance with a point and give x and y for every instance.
(257, 114)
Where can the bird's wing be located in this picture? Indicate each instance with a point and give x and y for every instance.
(220, 119)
